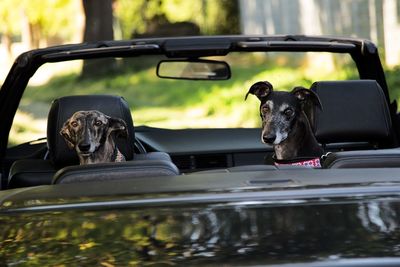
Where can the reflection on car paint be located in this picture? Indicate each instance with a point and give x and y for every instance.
(202, 234)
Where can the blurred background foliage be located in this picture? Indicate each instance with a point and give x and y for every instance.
(44, 22)
(212, 17)
(38, 22)
(30, 24)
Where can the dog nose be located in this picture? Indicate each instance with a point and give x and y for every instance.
(84, 147)
(269, 138)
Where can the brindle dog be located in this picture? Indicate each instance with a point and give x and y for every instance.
(89, 133)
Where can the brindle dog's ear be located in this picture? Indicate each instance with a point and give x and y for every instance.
(305, 95)
(260, 89)
(118, 126)
(65, 132)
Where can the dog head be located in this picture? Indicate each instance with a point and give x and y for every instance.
(280, 111)
(86, 131)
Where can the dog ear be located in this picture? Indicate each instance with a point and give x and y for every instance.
(309, 100)
(118, 126)
(260, 89)
(67, 135)
(305, 95)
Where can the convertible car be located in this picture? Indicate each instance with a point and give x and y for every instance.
(198, 186)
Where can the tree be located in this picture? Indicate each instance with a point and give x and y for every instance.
(49, 19)
(212, 16)
(98, 20)
(98, 27)
(9, 13)
(38, 22)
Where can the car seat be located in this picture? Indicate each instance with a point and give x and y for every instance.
(354, 125)
(31, 172)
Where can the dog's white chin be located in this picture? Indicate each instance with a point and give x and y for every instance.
(84, 154)
(280, 137)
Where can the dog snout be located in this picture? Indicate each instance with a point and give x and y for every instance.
(269, 138)
(84, 147)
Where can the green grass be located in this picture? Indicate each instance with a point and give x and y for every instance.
(170, 103)
(393, 81)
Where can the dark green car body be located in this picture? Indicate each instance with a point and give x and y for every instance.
(249, 219)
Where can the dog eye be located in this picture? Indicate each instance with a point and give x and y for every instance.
(288, 112)
(74, 124)
(98, 123)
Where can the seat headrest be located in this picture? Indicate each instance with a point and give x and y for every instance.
(63, 108)
(353, 111)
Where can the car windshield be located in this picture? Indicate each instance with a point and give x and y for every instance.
(173, 103)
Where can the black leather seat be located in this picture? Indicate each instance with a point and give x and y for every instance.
(116, 171)
(353, 111)
(355, 114)
(379, 158)
(63, 108)
(31, 172)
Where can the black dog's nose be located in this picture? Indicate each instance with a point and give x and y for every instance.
(84, 147)
(269, 138)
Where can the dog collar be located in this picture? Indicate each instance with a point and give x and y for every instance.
(307, 162)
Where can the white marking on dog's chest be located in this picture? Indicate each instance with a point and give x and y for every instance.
(278, 151)
(119, 157)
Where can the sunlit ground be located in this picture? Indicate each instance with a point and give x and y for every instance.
(25, 128)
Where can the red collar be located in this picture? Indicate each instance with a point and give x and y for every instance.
(308, 162)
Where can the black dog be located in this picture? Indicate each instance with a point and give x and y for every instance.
(286, 125)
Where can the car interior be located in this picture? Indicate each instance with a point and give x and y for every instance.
(353, 135)
(355, 128)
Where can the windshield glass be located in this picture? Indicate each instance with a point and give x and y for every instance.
(175, 104)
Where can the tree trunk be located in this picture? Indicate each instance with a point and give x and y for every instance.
(35, 35)
(7, 41)
(98, 27)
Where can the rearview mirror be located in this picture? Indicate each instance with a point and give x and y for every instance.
(194, 69)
